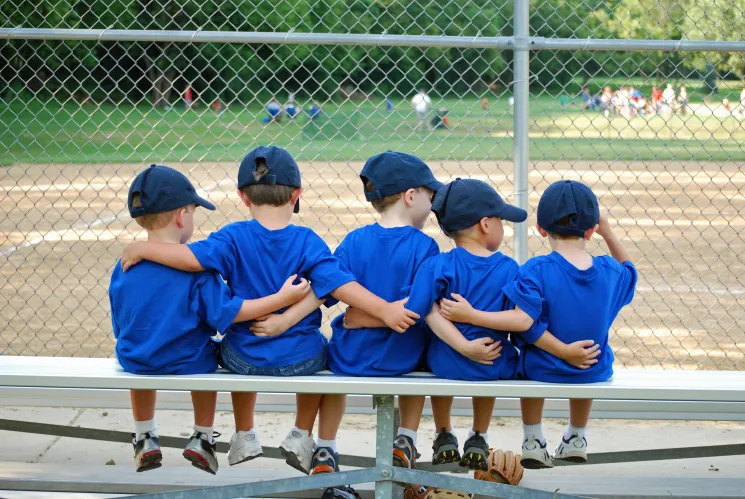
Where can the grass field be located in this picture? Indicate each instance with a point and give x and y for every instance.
(675, 188)
(42, 132)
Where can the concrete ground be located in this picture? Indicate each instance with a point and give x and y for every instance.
(357, 437)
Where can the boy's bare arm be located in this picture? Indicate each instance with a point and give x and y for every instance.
(275, 324)
(176, 256)
(482, 350)
(581, 354)
(616, 248)
(288, 295)
(394, 315)
(459, 310)
(355, 318)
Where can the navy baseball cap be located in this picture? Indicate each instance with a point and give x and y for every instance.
(464, 202)
(395, 172)
(568, 198)
(282, 169)
(161, 189)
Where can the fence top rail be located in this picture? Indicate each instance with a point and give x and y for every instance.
(371, 39)
(60, 372)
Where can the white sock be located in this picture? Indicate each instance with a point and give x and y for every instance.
(485, 436)
(574, 430)
(535, 431)
(142, 427)
(304, 433)
(331, 444)
(407, 433)
(207, 431)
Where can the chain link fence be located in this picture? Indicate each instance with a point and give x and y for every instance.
(523, 94)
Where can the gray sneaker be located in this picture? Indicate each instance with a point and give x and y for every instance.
(535, 456)
(147, 453)
(201, 453)
(573, 450)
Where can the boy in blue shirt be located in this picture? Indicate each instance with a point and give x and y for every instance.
(557, 286)
(255, 257)
(163, 318)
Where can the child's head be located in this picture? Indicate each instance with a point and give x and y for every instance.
(568, 210)
(394, 180)
(161, 198)
(472, 209)
(269, 176)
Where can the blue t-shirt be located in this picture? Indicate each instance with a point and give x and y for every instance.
(256, 261)
(479, 280)
(578, 305)
(384, 261)
(163, 318)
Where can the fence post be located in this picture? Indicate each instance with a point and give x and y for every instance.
(521, 91)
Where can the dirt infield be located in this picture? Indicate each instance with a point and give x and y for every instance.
(63, 227)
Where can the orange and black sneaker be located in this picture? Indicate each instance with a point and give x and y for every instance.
(325, 460)
(404, 452)
(445, 448)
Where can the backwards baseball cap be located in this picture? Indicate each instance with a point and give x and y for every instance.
(282, 169)
(395, 172)
(464, 202)
(572, 199)
(162, 189)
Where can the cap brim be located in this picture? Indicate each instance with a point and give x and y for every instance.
(205, 204)
(513, 214)
(435, 185)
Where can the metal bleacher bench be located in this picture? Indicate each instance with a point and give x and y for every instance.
(721, 387)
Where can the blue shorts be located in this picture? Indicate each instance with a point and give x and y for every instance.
(233, 362)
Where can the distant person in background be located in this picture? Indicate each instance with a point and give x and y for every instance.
(291, 108)
(315, 111)
(683, 100)
(725, 103)
(485, 104)
(421, 103)
(589, 101)
(188, 96)
(388, 105)
(606, 100)
(275, 111)
(742, 101)
(656, 99)
(668, 99)
(218, 107)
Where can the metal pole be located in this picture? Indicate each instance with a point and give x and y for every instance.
(383, 449)
(521, 90)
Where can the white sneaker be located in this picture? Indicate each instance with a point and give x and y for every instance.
(535, 456)
(573, 450)
(244, 446)
(298, 450)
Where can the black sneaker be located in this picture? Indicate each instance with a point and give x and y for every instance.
(325, 460)
(445, 448)
(475, 453)
(343, 492)
(201, 453)
(147, 453)
(404, 452)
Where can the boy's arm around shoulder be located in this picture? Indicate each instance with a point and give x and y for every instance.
(177, 256)
(289, 294)
(275, 324)
(482, 350)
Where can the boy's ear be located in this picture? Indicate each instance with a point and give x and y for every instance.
(243, 197)
(541, 231)
(409, 197)
(180, 217)
(590, 232)
(484, 224)
(296, 195)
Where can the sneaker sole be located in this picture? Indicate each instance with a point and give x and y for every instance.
(576, 459)
(246, 459)
(198, 461)
(447, 456)
(475, 460)
(534, 464)
(292, 459)
(150, 461)
(400, 461)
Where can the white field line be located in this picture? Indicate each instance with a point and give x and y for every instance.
(59, 234)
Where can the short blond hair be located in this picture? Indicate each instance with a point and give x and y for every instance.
(563, 222)
(261, 194)
(155, 221)
(383, 204)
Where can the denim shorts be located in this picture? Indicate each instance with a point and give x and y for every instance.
(233, 362)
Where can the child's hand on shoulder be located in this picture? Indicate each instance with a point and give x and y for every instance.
(399, 318)
(581, 354)
(483, 350)
(456, 310)
(292, 293)
(131, 255)
(269, 325)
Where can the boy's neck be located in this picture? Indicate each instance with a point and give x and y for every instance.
(396, 216)
(474, 246)
(272, 217)
(165, 235)
(573, 251)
